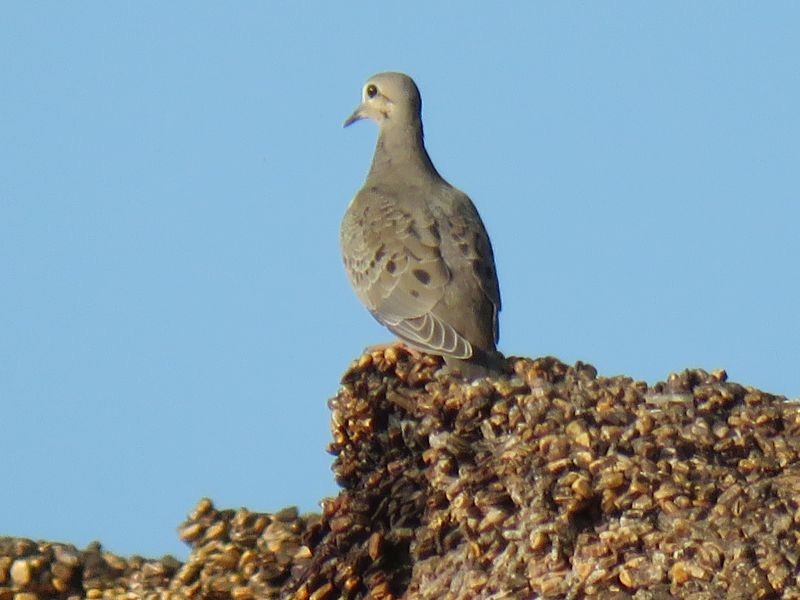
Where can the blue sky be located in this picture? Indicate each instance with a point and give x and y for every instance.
(174, 314)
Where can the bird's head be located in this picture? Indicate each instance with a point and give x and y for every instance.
(388, 98)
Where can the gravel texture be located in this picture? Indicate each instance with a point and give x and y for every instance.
(551, 482)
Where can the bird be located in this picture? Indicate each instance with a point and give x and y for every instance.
(414, 247)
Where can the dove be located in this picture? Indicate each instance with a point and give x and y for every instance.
(414, 247)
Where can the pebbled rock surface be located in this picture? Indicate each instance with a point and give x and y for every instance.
(549, 483)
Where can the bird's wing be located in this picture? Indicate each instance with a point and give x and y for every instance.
(392, 256)
(470, 241)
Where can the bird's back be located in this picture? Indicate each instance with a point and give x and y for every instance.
(417, 248)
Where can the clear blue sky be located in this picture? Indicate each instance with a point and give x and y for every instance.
(174, 313)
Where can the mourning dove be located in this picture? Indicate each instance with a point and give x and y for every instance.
(414, 247)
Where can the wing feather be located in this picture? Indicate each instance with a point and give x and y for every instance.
(393, 259)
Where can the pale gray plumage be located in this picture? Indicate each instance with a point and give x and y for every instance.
(414, 247)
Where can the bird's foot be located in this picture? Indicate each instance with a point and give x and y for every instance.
(393, 348)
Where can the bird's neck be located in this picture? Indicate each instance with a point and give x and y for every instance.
(401, 150)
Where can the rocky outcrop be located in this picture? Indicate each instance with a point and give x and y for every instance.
(549, 483)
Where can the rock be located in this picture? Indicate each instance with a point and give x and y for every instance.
(552, 483)
(20, 573)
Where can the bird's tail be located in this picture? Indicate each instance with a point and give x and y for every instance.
(481, 364)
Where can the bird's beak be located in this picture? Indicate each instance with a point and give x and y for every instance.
(357, 115)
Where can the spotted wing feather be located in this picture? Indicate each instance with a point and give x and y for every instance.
(393, 259)
(468, 240)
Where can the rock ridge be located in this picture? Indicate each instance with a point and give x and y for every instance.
(549, 483)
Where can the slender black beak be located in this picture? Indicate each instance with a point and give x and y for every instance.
(356, 116)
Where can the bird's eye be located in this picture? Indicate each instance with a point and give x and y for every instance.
(372, 90)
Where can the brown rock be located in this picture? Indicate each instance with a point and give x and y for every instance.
(551, 483)
(21, 573)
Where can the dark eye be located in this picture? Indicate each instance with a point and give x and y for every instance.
(372, 90)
